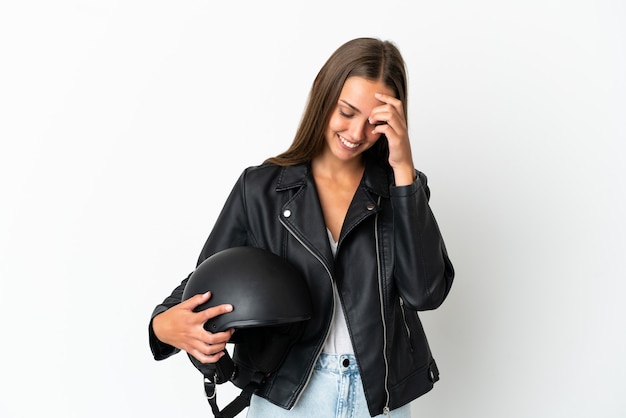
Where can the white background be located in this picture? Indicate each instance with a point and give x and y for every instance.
(124, 124)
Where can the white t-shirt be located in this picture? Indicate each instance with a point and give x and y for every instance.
(338, 340)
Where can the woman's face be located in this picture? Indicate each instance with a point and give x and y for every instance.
(349, 132)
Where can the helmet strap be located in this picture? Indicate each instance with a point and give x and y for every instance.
(221, 372)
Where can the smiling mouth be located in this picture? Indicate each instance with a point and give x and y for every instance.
(347, 143)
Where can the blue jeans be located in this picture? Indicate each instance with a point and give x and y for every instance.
(334, 391)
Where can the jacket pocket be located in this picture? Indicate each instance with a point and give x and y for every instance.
(409, 350)
(405, 323)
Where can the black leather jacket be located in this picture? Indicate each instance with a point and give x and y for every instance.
(391, 262)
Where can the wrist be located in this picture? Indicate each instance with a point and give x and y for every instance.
(404, 176)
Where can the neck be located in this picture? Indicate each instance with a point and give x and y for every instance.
(334, 168)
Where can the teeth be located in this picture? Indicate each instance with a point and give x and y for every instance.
(347, 143)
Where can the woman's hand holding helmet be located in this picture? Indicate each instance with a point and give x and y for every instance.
(183, 328)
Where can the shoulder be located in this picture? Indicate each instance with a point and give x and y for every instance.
(262, 169)
(279, 176)
(260, 173)
(268, 177)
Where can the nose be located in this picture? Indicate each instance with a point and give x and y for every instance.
(358, 129)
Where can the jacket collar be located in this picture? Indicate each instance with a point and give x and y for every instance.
(307, 222)
(375, 179)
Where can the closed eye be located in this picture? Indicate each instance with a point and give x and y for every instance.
(346, 109)
(345, 115)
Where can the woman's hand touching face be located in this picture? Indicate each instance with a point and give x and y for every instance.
(388, 119)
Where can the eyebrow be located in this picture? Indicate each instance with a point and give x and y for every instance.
(350, 106)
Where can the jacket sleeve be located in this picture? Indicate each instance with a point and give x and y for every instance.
(230, 230)
(422, 270)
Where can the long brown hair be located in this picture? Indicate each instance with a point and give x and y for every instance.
(369, 58)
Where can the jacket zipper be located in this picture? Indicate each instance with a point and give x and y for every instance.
(386, 411)
(332, 310)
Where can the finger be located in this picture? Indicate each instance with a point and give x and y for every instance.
(385, 98)
(383, 128)
(391, 105)
(387, 122)
(213, 338)
(196, 300)
(385, 114)
(379, 117)
(216, 311)
(218, 337)
(207, 357)
(210, 349)
(384, 122)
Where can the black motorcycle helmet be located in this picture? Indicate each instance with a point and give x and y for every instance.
(270, 300)
(264, 289)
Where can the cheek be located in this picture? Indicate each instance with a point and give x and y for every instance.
(336, 124)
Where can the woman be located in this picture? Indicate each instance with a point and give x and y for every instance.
(345, 205)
